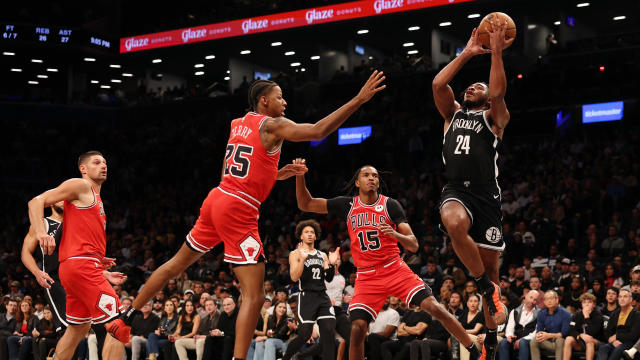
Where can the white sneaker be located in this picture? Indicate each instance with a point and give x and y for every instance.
(630, 354)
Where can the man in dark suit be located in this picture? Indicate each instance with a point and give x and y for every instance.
(7, 326)
(623, 329)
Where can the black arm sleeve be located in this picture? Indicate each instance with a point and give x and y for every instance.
(328, 273)
(339, 206)
(394, 208)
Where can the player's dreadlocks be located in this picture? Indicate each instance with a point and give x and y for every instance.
(351, 188)
(259, 88)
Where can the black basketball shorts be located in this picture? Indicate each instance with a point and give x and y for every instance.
(314, 305)
(482, 205)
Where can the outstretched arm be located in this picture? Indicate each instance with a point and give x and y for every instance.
(286, 129)
(442, 93)
(497, 78)
(69, 190)
(305, 201)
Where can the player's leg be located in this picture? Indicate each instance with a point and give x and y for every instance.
(304, 333)
(251, 278)
(457, 220)
(359, 329)
(70, 340)
(159, 278)
(327, 326)
(112, 349)
(490, 261)
(406, 285)
(101, 335)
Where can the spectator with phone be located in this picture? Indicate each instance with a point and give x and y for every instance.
(167, 325)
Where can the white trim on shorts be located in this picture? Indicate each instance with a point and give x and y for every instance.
(461, 203)
(364, 307)
(491, 247)
(413, 293)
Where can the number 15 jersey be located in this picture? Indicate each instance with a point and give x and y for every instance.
(250, 170)
(369, 246)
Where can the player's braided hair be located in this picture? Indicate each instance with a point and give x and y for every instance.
(259, 88)
(351, 188)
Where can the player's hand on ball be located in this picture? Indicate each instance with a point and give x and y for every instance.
(371, 87)
(44, 279)
(47, 242)
(474, 45)
(497, 36)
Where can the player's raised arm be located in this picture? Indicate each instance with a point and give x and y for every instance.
(442, 93)
(305, 201)
(284, 128)
(69, 190)
(296, 263)
(497, 78)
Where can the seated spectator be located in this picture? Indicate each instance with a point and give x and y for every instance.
(431, 275)
(454, 305)
(571, 296)
(505, 290)
(188, 323)
(553, 326)
(45, 335)
(586, 329)
(470, 288)
(521, 327)
(519, 284)
(207, 324)
(7, 326)
(434, 341)
(383, 328)
(167, 325)
(278, 333)
(158, 308)
(458, 275)
(412, 326)
(611, 277)
(546, 279)
(141, 326)
(269, 291)
(536, 284)
(623, 329)
(472, 320)
(21, 341)
(281, 295)
(219, 345)
(612, 302)
(599, 292)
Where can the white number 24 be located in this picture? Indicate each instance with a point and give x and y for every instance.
(463, 143)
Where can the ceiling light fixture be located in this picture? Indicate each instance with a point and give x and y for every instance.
(414, 28)
(8, 53)
(115, 66)
(408, 44)
(315, 57)
(88, 59)
(245, 52)
(289, 53)
(209, 57)
(36, 61)
(198, 65)
(276, 43)
(156, 61)
(473, 16)
(363, 31)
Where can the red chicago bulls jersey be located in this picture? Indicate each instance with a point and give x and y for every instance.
(369, 246)
(83, 230)
(250, 170)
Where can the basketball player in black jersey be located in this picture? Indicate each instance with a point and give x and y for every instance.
(470, 202)
(310, 268)
(47, 276)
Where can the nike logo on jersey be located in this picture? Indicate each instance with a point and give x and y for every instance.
(496, 196)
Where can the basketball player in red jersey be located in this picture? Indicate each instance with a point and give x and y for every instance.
(376, 223)
(90, 298)
(230, 212)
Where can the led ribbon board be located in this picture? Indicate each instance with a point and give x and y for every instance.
(610, 111)
(286, 20)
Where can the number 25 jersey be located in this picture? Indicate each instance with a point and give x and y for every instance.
(250, 170)
(369, 246)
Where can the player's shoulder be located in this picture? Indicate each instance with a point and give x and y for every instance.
(77, 184)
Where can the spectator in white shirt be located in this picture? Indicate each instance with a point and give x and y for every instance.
(521, 327)
(384, 328)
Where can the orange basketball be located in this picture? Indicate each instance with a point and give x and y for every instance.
(495, 18)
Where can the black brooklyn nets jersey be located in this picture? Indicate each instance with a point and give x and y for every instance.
(470, 149)
(312, 278)
(50, 263)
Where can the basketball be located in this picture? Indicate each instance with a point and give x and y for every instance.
(495, 18)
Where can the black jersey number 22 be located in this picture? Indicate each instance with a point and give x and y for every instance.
(369, 240)
(237, 161)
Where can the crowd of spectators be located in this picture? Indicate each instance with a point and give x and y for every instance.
(571, 218)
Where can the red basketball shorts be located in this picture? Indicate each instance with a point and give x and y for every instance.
(228, 217)
(392, 278)
(90, 297)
